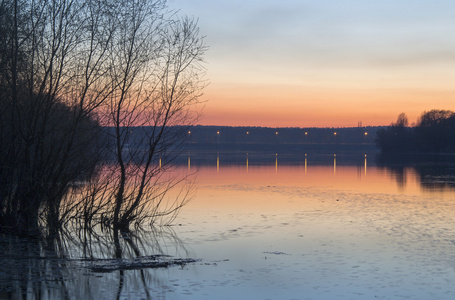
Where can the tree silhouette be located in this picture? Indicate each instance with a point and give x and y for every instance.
(69, 67)
(434, 132)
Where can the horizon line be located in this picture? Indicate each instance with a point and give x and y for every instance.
(289, 127)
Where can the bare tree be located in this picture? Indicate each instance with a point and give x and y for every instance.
(69, 66)
(157, 75)
(402, 121)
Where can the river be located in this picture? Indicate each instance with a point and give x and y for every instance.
(315, 226)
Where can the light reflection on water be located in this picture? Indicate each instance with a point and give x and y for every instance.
(308, 231)
(324, 227)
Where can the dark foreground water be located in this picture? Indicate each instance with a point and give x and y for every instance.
(268, 227)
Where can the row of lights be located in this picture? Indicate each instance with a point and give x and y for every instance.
(276, 133)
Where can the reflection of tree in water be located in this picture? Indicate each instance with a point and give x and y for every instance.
(32, 268)
(434, 172)
(88, 265)
(399, 174)
(437, 178)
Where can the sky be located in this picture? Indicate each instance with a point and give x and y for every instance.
(324, 63)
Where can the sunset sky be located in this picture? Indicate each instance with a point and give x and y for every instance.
(325, 63)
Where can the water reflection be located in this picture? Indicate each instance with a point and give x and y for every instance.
(435, 173)
(89, 265)
(201, 158)
(306, 163)
(276, 163)
(304, 231)
(432, 173)
(255, 159)
(342, 220)
(217, 163)
(261, 205)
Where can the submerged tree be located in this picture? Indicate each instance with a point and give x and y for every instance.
(157, 76)
(49, 136)
(70, 66)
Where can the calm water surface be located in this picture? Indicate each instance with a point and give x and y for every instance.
(318, 232)
(303, 231)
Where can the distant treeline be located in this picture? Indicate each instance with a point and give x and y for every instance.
(267, 138)
(267, 135)
(434, 132)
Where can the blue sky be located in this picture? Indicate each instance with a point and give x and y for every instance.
(302, 47)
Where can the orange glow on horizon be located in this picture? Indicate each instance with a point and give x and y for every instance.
(318, 107)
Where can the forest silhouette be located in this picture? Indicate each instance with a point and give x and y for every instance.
(434, 132)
